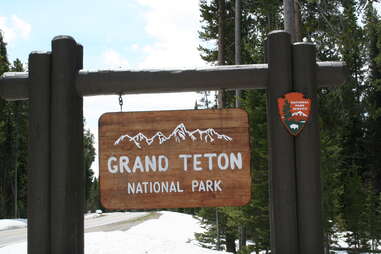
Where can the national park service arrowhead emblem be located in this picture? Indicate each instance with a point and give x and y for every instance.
(294, 110)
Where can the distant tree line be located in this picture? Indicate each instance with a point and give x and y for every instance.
(14, 152)
(350, 118)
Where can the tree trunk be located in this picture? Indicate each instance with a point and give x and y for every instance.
(297, 20)
(230, 243)
(237, 43)
(242, 236)
(326, 244)
(218, 231)
(289, 23)
(221, 44)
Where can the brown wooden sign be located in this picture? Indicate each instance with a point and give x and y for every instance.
(171, 159)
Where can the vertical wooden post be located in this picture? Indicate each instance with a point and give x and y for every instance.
(307, 148)
(67, 176)
(39, 154)
(281, 149)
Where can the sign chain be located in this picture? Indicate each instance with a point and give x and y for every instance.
(121, 102)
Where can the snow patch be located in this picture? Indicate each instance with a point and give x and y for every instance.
(171, 233)
(92, 215)
(12, 223)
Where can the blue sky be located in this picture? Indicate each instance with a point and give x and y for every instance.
(116, 34)
(111, 30)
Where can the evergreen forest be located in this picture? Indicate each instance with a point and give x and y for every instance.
(14, 152)
(350, 119)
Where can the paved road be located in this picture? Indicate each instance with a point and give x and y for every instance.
(106, 222)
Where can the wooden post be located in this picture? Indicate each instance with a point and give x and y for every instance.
(283, 216)
(237, 39)
(39, 154)
(307, 149)
(67, 175)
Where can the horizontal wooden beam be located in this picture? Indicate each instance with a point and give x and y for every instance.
(163, 81)
(331, 74)
(14, 86)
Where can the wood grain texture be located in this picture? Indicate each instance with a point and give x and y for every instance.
(14, 86)
(231, 186)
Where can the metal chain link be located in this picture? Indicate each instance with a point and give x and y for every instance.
(121, 102)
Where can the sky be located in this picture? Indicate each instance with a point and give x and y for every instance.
(115, 34)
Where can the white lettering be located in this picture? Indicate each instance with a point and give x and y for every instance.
(201, 186)
(173, 187)
(131, 188)
(197, 162)
(138, 165)
(138, 188)
(194, 185)
(112, 168)
(178, 187)
(150, 163)
(226, 161)
(209, 185)
(145, 186)
(217, 185)
(235, 161)
(210, 161)
(164, 186)
(123, 164)
(163, 163)
(156, 187)
(185, 158)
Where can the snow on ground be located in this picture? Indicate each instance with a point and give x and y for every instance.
(12, 223)
(171, 233)
(92, 215)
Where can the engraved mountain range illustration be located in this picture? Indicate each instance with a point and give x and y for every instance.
(180, 133)
(299, 113)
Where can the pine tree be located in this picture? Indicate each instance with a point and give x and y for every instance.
(89, 156)
(20, 118)
(349, 116)
(5, 177)
(373, 96)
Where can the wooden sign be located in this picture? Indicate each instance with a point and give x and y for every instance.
(294, 110)
(173, 159)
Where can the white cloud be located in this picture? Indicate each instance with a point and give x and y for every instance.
(14, 28)
(174, 27)
(135, 47)
(113, 60)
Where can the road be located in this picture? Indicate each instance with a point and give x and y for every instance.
(105, 222)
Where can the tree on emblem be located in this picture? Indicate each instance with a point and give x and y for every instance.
(287, 109)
